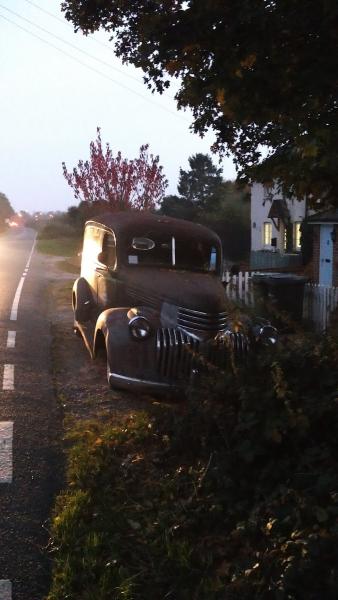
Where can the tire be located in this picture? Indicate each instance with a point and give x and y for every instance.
(82, 301)
(101, 352)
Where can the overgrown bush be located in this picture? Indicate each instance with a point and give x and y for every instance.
(231, 496)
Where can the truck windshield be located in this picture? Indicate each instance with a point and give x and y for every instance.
(174, 253)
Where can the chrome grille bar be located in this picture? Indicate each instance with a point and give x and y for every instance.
(201, 321)
(198, 313)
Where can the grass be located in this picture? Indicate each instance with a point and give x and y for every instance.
(62, 246)
(118, 523)
(70, 266)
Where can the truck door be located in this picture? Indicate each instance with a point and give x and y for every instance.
(91, 249)
(107, 282)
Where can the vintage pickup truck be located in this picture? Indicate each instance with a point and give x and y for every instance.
(150, 295)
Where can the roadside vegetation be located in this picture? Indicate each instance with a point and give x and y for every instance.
(232, 493)
(6, 211)
(62, 246)
(59, 237)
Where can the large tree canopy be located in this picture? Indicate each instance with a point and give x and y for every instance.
(261, 73)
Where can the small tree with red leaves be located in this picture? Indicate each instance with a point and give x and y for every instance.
(124, 184)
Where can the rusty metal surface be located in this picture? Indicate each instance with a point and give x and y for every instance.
(125, 224)
(186, 309)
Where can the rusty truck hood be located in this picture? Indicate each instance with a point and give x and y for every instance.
(197, 291)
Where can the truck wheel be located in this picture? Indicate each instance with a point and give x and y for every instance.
(82, 301)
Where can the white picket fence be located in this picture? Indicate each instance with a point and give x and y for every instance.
(319, 300)
(239, 287)
(319, 303)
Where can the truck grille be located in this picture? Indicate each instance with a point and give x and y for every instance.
(201, 321)
(238, 343)
(178, 353)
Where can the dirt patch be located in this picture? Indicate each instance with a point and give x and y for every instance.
(80, 382)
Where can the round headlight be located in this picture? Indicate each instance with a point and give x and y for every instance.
(268, 335)
(140, 328)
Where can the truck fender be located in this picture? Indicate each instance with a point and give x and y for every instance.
(113, 324)
(111, 318)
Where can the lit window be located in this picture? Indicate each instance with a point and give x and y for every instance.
(267, 233)
(297, 235)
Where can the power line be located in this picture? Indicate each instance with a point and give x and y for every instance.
(92, 39)
(65, 22)
(93, 68)
(63, 41)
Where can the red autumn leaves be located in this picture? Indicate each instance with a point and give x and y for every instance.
(124, 184)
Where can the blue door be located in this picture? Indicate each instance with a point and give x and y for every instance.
(326, 255)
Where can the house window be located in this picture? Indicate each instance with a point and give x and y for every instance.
(297, 235)
(267, 233)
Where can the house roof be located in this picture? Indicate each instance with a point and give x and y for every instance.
(133, 223)
(279, 210)
(324, 216)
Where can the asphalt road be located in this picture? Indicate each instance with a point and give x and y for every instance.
(30, 474)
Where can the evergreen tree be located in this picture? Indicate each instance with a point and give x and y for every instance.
(201, 185)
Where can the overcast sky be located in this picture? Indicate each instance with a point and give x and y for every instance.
(51, 105)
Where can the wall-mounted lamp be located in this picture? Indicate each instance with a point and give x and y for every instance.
(333, 235)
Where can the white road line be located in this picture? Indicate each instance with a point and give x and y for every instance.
(31, 254)
(8, 379)
(15, 305)
(5, 589)
(11, 343)
(6, 454)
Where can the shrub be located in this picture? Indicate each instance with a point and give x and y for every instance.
(234, 495)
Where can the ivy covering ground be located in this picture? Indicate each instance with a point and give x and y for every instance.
(232, 495)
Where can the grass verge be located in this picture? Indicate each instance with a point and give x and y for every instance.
(234, 495)
(62, 246)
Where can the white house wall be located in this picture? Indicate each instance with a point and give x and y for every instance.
(260, 207)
